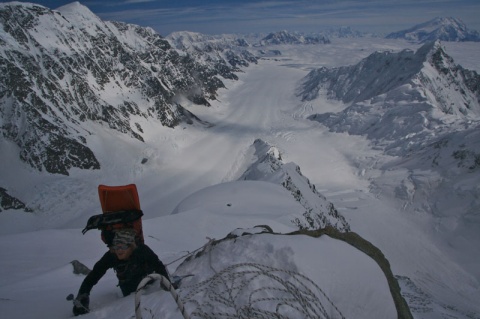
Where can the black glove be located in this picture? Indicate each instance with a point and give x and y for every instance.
(80, 304)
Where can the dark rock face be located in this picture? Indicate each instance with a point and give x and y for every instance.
(9, 202)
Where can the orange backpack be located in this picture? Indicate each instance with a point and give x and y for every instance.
(121, 209)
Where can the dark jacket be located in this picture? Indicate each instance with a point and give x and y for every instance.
(141, 263)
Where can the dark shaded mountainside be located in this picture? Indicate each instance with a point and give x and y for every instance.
(10, 202)
(66, 70)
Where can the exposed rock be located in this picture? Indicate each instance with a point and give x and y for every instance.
(9, 202)
(79, 268)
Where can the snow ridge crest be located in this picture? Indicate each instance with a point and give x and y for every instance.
(268, 166)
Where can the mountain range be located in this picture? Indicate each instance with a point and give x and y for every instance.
(428, 75)
(85, 101)
(66, 72)
(285, 37)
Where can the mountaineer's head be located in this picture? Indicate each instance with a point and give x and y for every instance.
(123, 243)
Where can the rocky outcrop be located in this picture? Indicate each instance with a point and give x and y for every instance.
(9, 202)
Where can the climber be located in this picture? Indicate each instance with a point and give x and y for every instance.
(131, 261)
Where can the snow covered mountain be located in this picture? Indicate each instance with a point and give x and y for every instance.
(395, 93)
(443, 29)
(227, 52)
(285, 37)
(68, 74)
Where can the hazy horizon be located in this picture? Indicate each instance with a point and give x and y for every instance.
(251, 16)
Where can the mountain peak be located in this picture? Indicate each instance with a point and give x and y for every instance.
(442, 21)
(440, 28)
(75, 7)
(77, 13)
(425, 86)
(383, 72)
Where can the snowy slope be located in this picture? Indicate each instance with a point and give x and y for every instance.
(361, 293)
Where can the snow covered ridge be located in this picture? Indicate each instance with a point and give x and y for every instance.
(265, 165)
(67, 73)
(428, 75)
(400, 98)
(268, 166)
(444, 29)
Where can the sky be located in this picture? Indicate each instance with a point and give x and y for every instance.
(185, 168)
(250, 16)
